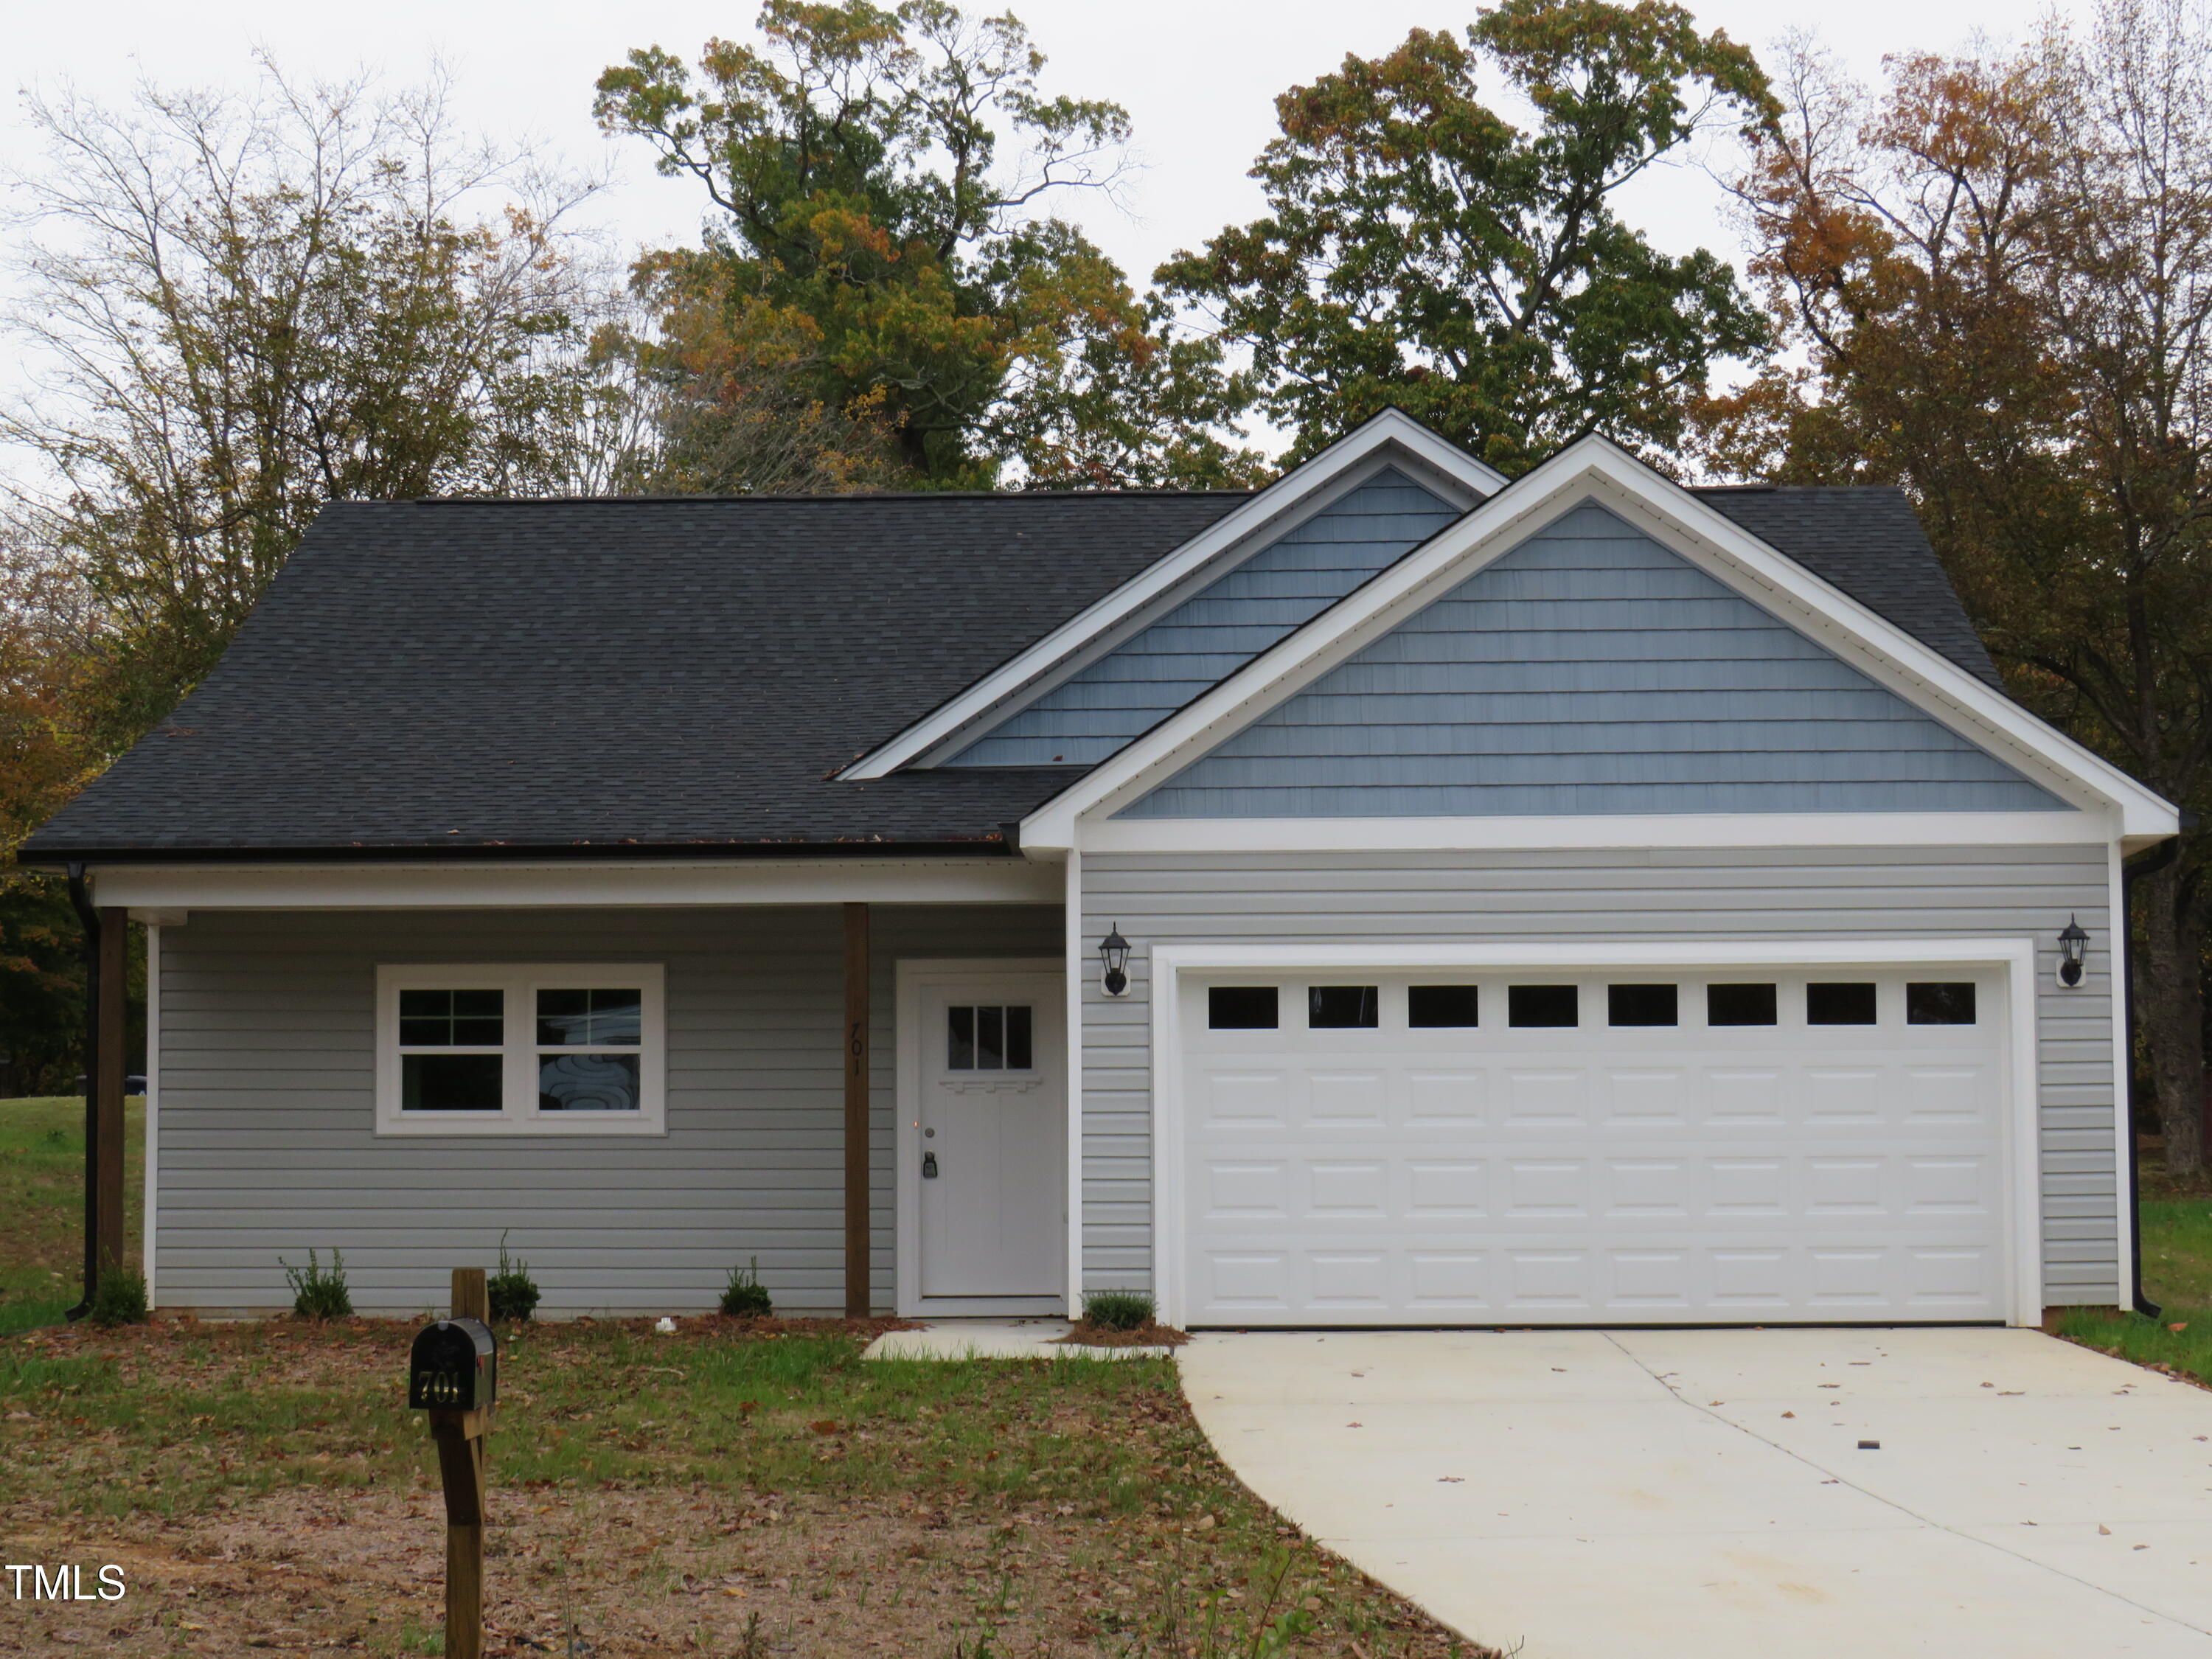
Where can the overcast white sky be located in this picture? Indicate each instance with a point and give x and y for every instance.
(1197, 76)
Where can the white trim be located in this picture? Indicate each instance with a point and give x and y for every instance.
(1595, 469)
(1392, 428)
(1597, 830)
(153, 1099)
(2123, 1150)
(910, 974)
(339, 885)
(2022, 1140)
(1074, 970)
(519, 1114)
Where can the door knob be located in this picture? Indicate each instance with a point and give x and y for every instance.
(929, 1166)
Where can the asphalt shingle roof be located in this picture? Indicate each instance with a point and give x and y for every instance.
(625, 676)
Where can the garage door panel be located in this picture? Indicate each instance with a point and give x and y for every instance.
(1502, 1175)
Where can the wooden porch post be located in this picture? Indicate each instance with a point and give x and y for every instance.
(856, 1111)
(107, 1084)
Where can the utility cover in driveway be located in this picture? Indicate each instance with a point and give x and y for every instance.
(1442, 1146)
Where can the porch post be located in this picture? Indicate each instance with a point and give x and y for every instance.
(107, 1082)
(856, 1111)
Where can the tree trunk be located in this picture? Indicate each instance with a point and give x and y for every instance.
(2170, 1007)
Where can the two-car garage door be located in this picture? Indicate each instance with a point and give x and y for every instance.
(1570, 1147)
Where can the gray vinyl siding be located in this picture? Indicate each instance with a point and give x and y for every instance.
(1765, 895)
(1286, 584)
(267, 1109)
(1591, 670)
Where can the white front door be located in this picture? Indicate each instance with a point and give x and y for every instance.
(983, 1140)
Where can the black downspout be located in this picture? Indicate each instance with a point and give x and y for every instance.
(90, 919)
(2157, 861)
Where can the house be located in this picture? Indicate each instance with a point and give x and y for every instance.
(1580, 899)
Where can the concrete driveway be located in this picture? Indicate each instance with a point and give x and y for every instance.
(1702, 1494)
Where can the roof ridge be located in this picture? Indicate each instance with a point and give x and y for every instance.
(810, 499)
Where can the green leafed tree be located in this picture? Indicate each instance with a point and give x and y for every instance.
(1422, 250)
(879, 278)
(241, 306)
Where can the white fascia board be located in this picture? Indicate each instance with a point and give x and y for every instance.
(177, 889)
(1600, 830)
(1596, 469)
(1391, 428)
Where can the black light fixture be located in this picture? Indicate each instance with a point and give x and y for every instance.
(1114, 951)
(2073, 946)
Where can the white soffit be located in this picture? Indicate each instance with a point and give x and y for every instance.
(1597, 469)
(1389, 435)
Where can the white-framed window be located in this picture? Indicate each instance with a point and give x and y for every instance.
(536, 1048)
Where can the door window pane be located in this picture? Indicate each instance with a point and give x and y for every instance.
(1740, 1004)
(587, 1083)
(1342, 1007)
(1839, 1002)
(1940, 1003)
(1640, 1004)
(451, 1019)
(1240, 1007)
(990, 1037)
(1542, 1005)
(1441, 1005)
(450, 1082)
(590, 1020)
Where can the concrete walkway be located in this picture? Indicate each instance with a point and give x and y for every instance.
(994, 1338)
(1703, 1495)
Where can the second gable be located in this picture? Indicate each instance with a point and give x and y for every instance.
(1592, 669)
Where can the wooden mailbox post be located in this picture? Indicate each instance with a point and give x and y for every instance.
(454, 1374)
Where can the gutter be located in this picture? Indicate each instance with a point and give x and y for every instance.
(89, 919)
(2169, 851)
(996, 846)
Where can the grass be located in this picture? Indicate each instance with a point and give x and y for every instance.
(746, 1487)
(42, 1204)
(2177, 1273)
(652, 1489)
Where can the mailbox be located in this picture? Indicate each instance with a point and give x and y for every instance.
(454, 1367)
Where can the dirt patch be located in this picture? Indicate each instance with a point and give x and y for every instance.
(659, 1572)
(1147, 1335)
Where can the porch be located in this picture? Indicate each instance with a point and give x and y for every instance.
(777, 1120)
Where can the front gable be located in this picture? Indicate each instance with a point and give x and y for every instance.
(1210, 635)
(1591, 670)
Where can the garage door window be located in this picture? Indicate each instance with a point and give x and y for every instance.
(1542, 1005)
(1434, 1006)
(1740, 1004)
(1343, 1007)
(1940, 1003)
(1640, 1004)
(1845, 1002)
(1241, 1007)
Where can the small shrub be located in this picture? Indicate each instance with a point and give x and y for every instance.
(511, 1292)
(745, 1296)
(120, 1297)
(317, 1293)
(1117, 1311)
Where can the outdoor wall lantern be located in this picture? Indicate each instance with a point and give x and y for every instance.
(1114, 951)
(2073, 946)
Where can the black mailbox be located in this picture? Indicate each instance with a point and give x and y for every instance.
(454, 1367)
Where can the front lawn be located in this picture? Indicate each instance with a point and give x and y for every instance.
(733, 1490)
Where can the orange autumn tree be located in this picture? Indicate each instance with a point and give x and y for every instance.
(1997, 269)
